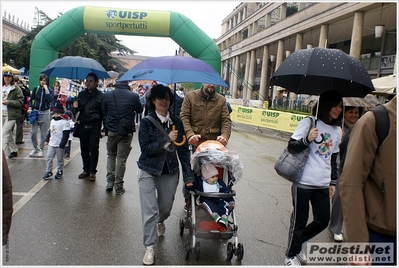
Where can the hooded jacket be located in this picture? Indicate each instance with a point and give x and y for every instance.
(368, 180)
(205, 115)
(15, 102)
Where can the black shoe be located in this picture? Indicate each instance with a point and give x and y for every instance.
(58, 175)
(13, 154)
(67, 156)
(20, 142)
(48, 175)
(119, 190)
(109, 186)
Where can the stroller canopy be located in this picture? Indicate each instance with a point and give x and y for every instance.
(213, 152)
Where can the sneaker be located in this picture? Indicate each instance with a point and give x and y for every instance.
(223, 221)
(293, 261)
(58, 175)
(40, 153)
(67, 156)
(48, 175)
(119, 190)
(339, 237)
(216, 217)
(302, 256)
(110, 186)
(149, 256)
(83, 175)
(161, 228)
(13, 154)
(34, 152)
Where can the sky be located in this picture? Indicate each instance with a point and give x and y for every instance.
(207, 15)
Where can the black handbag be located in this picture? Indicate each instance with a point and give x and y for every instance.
(76, 129)
(125, 125)
(290, 166)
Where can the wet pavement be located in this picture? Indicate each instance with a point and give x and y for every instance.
(75, 222)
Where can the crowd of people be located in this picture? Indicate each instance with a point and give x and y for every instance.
(203, 115)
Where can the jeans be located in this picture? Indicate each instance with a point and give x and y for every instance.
(157, 194)
(8, 138)
(55, 151)
(89, 136)
(118, 150)
(299, 232)
(375, 237)
(19, 136)
(42, 122)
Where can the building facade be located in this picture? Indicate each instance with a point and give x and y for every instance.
(13, 29)
(258, 36)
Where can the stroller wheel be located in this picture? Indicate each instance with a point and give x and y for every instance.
(181, 227)
(240, 251)
(197, 251)
(230, 251)
(187, 249)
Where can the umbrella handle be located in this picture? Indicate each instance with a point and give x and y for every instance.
(183, 137)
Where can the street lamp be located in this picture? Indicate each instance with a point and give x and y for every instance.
(36, 18)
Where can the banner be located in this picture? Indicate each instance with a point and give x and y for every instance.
(272, 119)
(127, 21)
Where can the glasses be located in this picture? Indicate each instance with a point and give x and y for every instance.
(164, 98)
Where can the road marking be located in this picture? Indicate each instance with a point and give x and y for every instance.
(27, 196)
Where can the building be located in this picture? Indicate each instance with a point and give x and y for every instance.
(13, 29)
(258, 36)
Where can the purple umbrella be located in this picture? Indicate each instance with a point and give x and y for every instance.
(174, 69)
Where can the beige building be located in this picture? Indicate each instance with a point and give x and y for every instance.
(13, 29)
(258, 36)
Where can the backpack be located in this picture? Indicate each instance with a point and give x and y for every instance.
(382, 125)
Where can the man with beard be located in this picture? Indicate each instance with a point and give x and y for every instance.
(90, 120)
(205, 116)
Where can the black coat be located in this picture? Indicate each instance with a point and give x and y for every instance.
(128, 104)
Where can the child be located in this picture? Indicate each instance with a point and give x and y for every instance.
(57, 138)
(209, 182)
(68, 116)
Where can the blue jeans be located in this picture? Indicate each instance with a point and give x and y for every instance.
(380, 238)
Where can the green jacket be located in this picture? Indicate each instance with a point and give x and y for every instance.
(15, 101)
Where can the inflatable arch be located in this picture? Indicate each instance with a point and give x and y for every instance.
(122, 21)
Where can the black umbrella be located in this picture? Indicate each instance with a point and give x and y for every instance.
(314, 71)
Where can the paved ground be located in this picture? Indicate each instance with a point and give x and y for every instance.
(76, 222)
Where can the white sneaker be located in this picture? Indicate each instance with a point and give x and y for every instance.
(34, 152)
(338, 237)
(161, 228)
(293, 261)
(302, 256)
(149, 256)
(40, 153)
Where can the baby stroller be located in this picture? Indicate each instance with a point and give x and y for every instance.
(200, 223)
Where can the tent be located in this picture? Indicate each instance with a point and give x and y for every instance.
(8, 68)
(385, 85)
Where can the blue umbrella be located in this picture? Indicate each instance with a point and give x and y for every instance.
(174, 69)
(74, 67)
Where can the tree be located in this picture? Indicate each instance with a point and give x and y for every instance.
(90, 45)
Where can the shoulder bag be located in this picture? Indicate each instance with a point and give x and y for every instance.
(125, 125)
(290, 166)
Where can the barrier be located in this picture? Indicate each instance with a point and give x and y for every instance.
(279, 121)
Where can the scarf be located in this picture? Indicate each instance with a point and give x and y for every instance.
(165, 119)
(347, 124)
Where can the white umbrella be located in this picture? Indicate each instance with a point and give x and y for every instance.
(347, 101)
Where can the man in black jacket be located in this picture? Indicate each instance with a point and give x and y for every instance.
(121, 103)
(90, 119)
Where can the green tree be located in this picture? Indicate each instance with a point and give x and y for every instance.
(90, 45)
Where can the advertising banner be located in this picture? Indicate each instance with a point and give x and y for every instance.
(277, 120)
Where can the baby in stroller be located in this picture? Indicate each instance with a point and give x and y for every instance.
(209, 182)
(217, 170)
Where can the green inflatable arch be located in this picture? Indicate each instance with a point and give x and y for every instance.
(123, 21)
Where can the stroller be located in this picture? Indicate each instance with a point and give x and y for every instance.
(199, 222)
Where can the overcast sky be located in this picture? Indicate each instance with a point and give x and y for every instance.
(207, 15)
